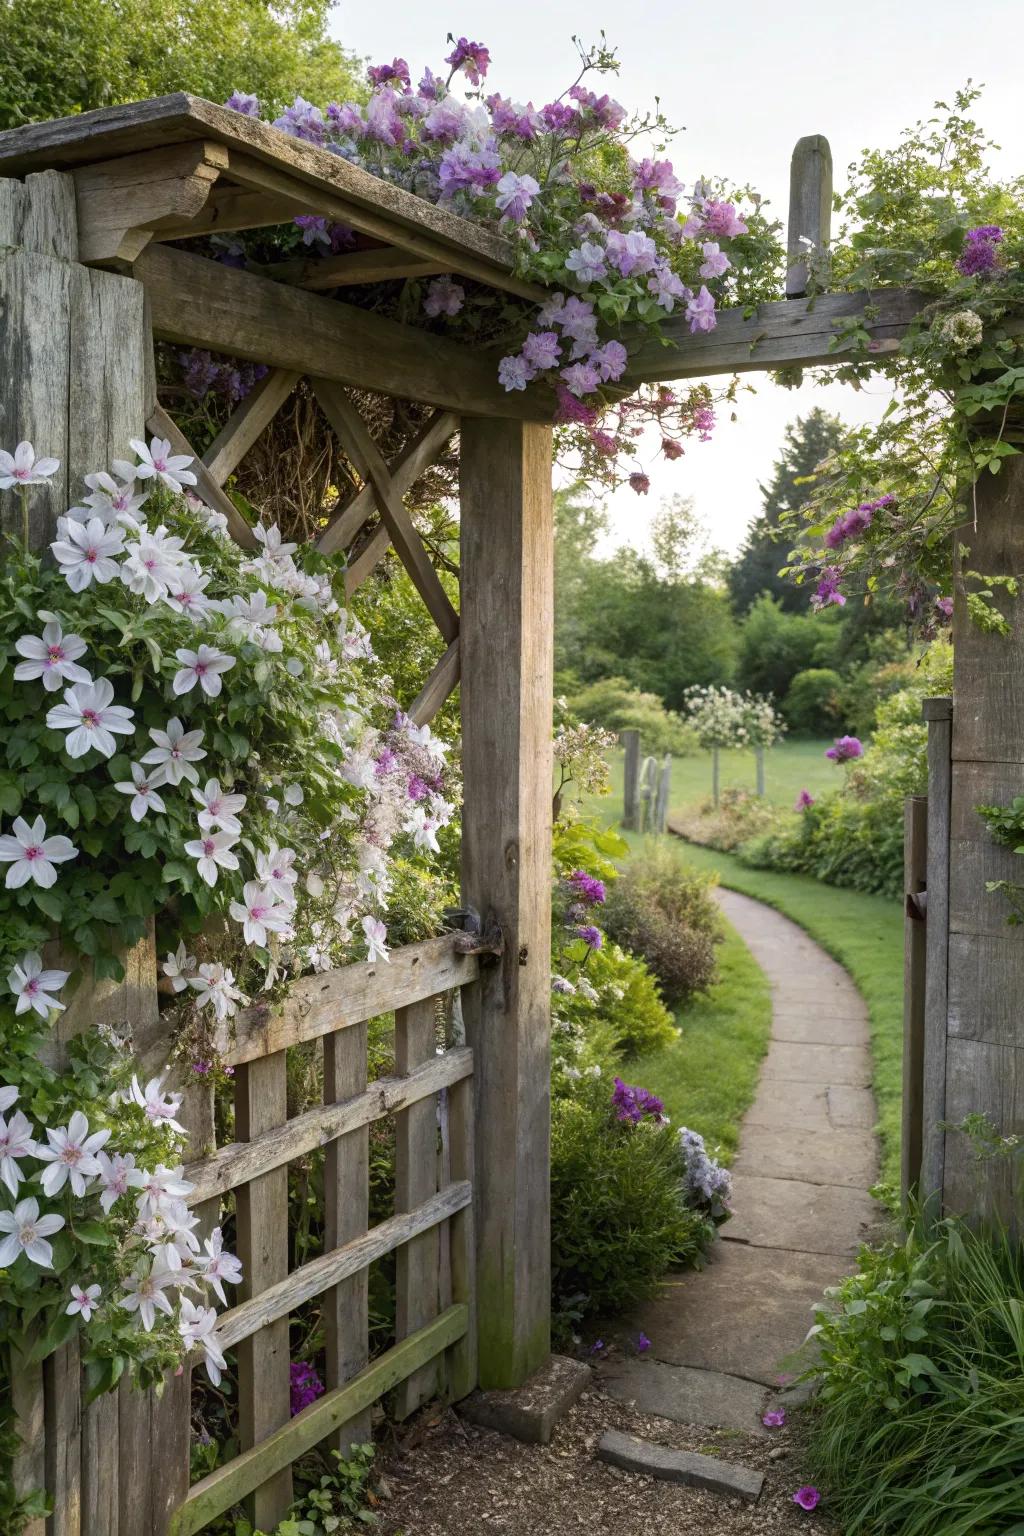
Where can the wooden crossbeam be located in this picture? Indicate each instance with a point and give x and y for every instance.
(202, 303)
(365, 560)
(121, 202)
(443, 680)
(414, 459)
(787, 333)
(161, 425)
(370, 462)
(379, 265)
(245, 425)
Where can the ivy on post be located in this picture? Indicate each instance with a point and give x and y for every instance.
(506, 639)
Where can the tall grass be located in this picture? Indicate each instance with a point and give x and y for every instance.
(919, 1426)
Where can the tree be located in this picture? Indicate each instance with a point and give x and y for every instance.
(62, 58)
(809, 440)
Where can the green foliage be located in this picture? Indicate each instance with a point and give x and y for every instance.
(617, 1217)
(335, 1503)
(617, 705)
(664, 912)
(813, 701)
(919, 1423)
(625, 1018)
(775, 645)
(60, 59)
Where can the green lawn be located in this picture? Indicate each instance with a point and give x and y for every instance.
(789, 768)
(708, 1077)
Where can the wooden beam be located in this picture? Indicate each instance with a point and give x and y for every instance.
(380, 265)
(229, 1483)
(787, 333)
(370, 462)
(160, 424)
(915, 945)
(253, 1317)
(121, 202)
(230, 209)
(345, 1307)
(506, 649)
(202, 303)
(316, 1005)
(417, 1262)
(939, 715)
(246, 424)
(439, 686)
(365, 560)
(413, 461)
(810, 213)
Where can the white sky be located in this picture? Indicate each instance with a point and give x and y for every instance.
(745, 82)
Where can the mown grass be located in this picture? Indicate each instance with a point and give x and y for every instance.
(790, 767)
(708, 1077)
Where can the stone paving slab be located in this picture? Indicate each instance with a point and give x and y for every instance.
(633, 1454)
(819, 1157)
(684, 1395)
(804, 1104)
(815, 1218)
(818, 1063)
(851, 1109)
(744, 1315)
(808, 1027)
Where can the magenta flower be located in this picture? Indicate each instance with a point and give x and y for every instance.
(804, 801)
(671, 449)
(700, 312)
(828, 590)
(945, 606)
(384, 74)
(640, 483)
(807, 1497)
(980, 253)
(643, 1343)
(306, 1385)
(774, 1418)
(845, 749)
(472, 58)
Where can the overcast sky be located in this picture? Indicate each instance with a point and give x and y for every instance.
(744, 82)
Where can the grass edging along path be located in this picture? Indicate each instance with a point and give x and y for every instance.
(865, 934)
(708, 1077)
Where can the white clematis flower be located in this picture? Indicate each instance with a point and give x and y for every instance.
(84, 1302)
(212, 852)
(86, 553)
(23, 468)
(160, 1189)
(178, 967)
(71, 1155)
(33, 986)
(52, 657)
(28, 1232)
(259, 914)
(16, 1142)
(215, 985)
(146, 1295)
(196, 1325)
(219, 809)
(117, 1175)
(160, 1108)
(92, 718)
(204, 667)
(142, 787)
(376, 936)
(32, 855)
(276, 869)
(175, 751)
(157, 461)
(220, 1267)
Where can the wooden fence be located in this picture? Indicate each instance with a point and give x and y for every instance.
(120, 1466)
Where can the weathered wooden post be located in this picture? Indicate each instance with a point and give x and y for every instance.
(915, 876)
(505, 636)
(715, 777)
(984, 1057)
(631, 780)
(759, 771)
(664, 789)
(810, 213)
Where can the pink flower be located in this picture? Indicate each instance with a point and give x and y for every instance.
(472, 58)
(700, 312)
(775, 1417)
(804, 801)
(23, 468)
(807, 1497)
(640, 483)
(444, 297)
(716, 262)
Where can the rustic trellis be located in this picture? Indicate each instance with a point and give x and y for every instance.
(88, 277)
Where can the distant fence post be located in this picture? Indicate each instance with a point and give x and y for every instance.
(759, 762)
(647, 793)
(939, 715)
(664, 786)
(714, 776)
(631, 780)
(915, 945)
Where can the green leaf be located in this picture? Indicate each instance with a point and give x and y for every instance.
(94, 1233)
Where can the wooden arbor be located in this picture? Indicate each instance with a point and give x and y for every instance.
(87, 279)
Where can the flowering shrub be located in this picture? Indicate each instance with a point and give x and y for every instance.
(663, 912)
(707, 1186)
(617, 239)
(722, 717)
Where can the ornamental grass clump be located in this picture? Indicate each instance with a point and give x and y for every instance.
(919, 1422)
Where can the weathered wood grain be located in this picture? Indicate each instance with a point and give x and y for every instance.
(915, 942)
(417, 1261)
(938, 713)
(380, 265)
(28, 1400)
(810, 213)
(345, 1309)
(121, 202)
(248, 423)
(368, 459)
(631, 780)
(506, 649)
(442, 682)
(254, 1316)
(261, 1215)
(228, 1484)
(461, 1234)
(252, 317)
(100, 1502)
(64, 1439)
(239, 1161)
(986, 1078)
(39, 214)
(364, 559)
(162, 425)
(415, 458)
(316, 1005)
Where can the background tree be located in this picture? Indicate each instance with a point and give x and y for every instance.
(808, 441)
(61, 57)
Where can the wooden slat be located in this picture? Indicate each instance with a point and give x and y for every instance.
(786, 333)
(461, 1232)
(261, 1206)
(368, 459)
(134, 1447)
(374, 266)
(64, 1439)
(938, 713)
(100, 1503)
(507, 575)
(417, 1262)
(810, 212)
(228, 1484)
(121, 202)
(915, 942)
(245, 425)
(202, 303)
(631, 780)
(312, 1279)
(316, 1005)
(345, 1310)
(439, 686)
(230, 209)
(240, 1161)
(161, 425)
(413, 461)
(28, 1400)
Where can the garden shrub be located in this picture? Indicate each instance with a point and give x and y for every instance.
(663, 911)
(919, 1423)
(616, 1006)
(813, 701)
(618, 1217)
(738, 816)
(618, 706)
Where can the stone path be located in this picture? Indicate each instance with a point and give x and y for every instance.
(807, 1157)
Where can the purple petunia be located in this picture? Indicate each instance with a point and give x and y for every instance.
(514, 373)
(845, 749)
(804, 801)
(632, 1104)
(306, 1385)
(541, 350)
(241, 101)
(591, 936)
(383, 74)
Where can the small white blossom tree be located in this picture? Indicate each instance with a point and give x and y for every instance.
(722, 717)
